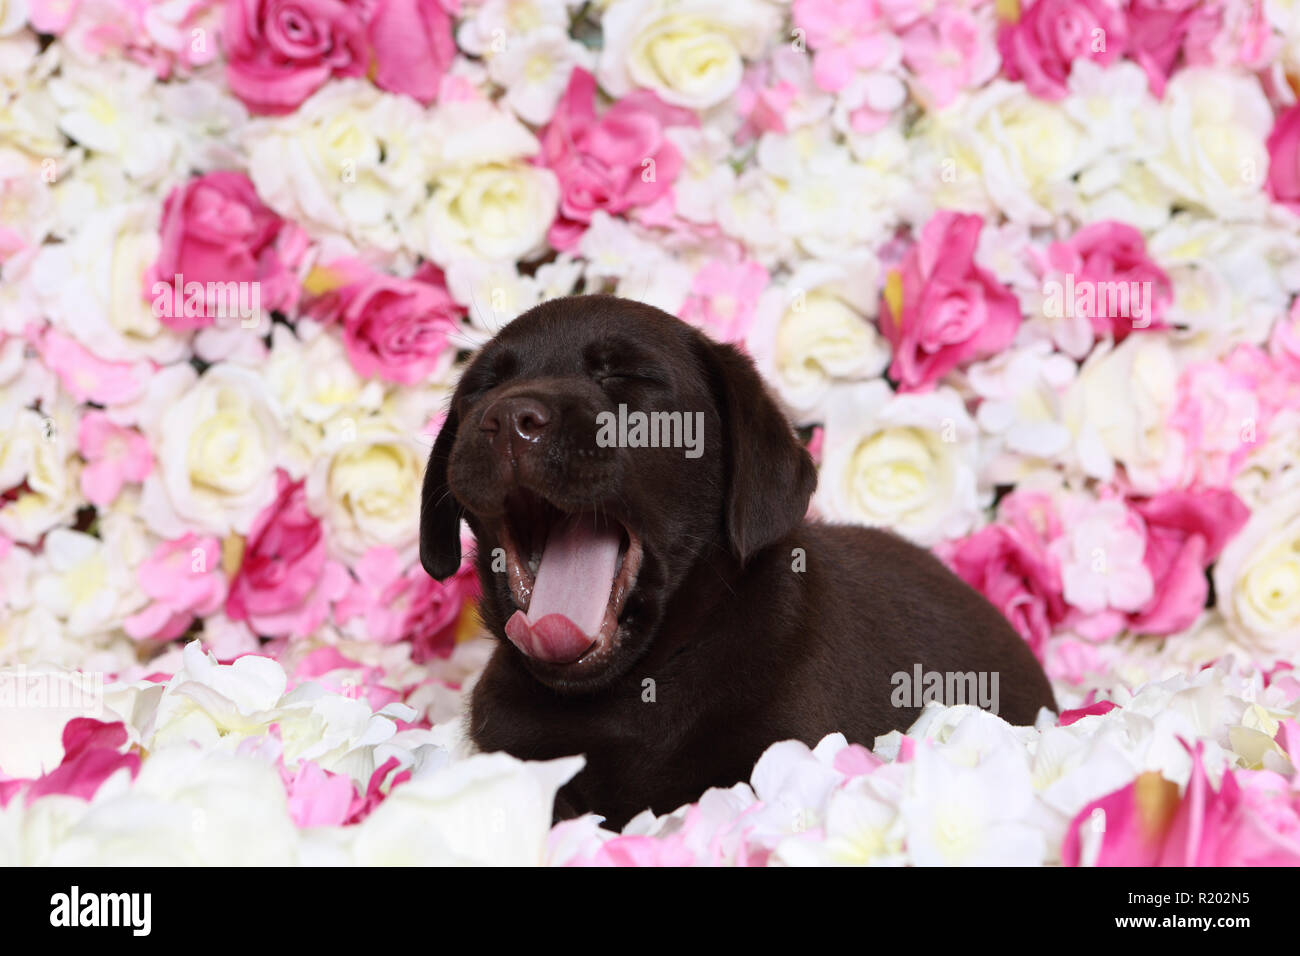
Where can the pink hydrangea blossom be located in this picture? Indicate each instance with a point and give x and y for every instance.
(114, 455)
(845, 37)
(724, 297)
(183, 579)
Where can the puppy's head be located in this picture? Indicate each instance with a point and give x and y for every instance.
(599, 450)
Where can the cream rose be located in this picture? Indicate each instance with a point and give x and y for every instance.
(39, 451)
(499, 211)
(690, 52)
(1116, 410)
(1257, 577)
(350, 161)
(905, 462)
(1216, 123)
(366, 487)
(217, 438)
(817, 331)
(90, 286)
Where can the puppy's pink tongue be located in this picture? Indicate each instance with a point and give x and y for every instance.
(570, 592)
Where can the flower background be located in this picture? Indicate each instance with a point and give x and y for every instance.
(216, 514)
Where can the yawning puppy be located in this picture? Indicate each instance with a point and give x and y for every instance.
(663, 607)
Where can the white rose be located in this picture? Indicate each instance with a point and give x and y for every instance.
(1216, 122)
(217, 438)
(1026, 150)
(1117, 408)
(40, 451)
(497, 212)
(817, 331)
(904, 462)
(351, 161)
(91, 286)
(690, 52)
(366, 488)
(1257, 577)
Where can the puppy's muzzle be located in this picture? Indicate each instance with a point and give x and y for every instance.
(516, 425)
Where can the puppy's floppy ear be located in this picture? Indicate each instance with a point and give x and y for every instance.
(439, 511)
(770, 476)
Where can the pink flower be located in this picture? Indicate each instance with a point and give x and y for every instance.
(947, 54)
(723, 298)
(1186, 530)
(381, 595)
(435, 612)
(183, 578)
(952, 311)
(614, 162)
(1158, 30)
(642, 851)
(279, 52)
(846, 36)
(318, 798)
(1051, 34)
(216, 230)
(1116, 286)
(285, 583)
(92, 752)
(413, 47)
(393, 328)
(86, 376)
(114, 455)
(1011, 565)
(1284, 159)
(1284, 342)
(1251, 820)
(1222, 410)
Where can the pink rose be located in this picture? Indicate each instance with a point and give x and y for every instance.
(394, 328)
(615, 162)
(1186, 530)
(279, 52)
(1009, 563)
(1158, 31)
(1284, 159)
(1116, 286)
(436, 607)
(413, 47)
(1050, 35)
(215, 230)
(952, 311)
(285, 582)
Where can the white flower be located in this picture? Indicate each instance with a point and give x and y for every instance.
(112, 109)
(90, 582)
(1022, 393)
(816, 331)
(488, 202)
(706, 175)
(690, 52)
(91, 286)
(905, 462)
(497, 26)
(535, 71)
(1117, 408)
(351, 161)
(37, 452)
(217, 439)
(1216, 122)
(362, 485)
(489, 809)
(971, 815)
(1257, 577)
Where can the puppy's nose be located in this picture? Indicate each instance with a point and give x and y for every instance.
(515, 418)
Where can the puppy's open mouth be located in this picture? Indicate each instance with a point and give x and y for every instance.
(570, 574)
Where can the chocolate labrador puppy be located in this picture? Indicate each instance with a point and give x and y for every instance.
(662, 605)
